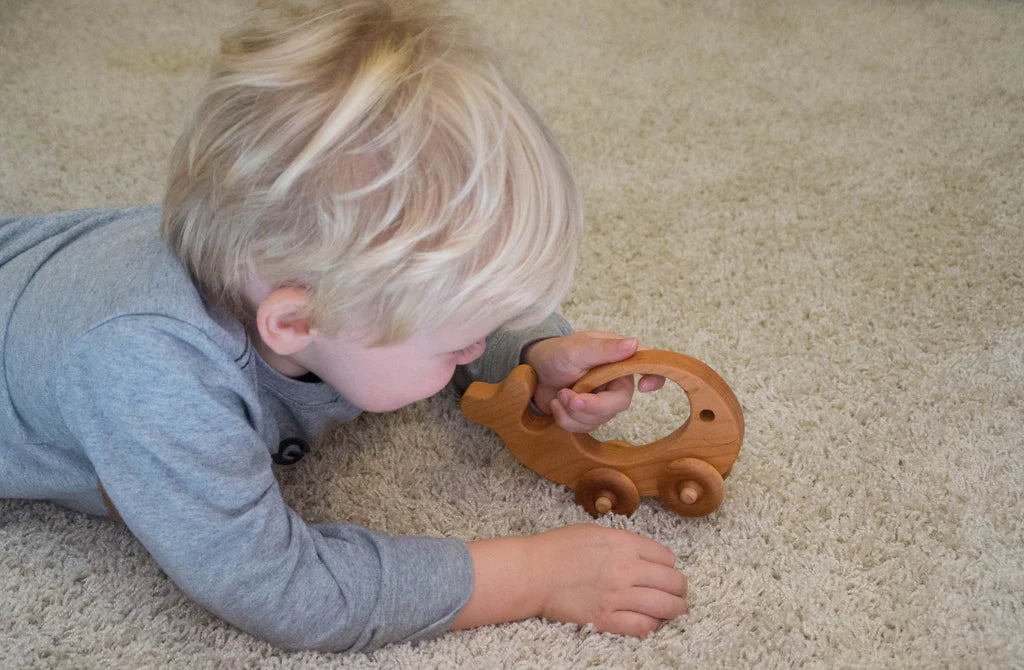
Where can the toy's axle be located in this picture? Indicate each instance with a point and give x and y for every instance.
(689, 492)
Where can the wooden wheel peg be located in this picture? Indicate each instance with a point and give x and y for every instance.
(685, 468)
(691, 487)
(604, 490)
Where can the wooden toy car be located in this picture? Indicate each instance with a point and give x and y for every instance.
(685, 468)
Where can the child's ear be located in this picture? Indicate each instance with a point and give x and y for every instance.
(282, 320)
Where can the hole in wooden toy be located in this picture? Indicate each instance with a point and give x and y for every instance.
(707, 415)
(650, 417)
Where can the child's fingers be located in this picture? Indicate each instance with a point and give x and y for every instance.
(660, 572)
(564, 420)
(593, 409)
(655, 603)
(625, 622)
(658, 567)
(608, 399)
(665, 579)
(574, 420)
(654, 551)
(650, 383)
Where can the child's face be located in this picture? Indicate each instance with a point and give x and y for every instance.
(379, 379)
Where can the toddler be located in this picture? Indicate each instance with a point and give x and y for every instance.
(361, 209)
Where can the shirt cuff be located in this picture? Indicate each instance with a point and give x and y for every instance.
(426, 583)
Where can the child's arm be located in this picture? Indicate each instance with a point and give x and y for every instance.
(167, 422)
(617, 580)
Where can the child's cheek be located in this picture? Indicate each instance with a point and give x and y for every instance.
(430, 382)
(444, 376)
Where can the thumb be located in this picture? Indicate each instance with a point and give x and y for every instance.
(599, 351)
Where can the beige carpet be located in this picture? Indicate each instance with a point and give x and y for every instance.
(821, 200)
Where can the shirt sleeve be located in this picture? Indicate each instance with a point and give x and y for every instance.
(504, 351)
(170, 431)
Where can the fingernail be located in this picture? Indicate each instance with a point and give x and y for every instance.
(631, 343)
(578, 403)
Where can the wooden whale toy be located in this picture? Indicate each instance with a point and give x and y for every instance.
(685, 469)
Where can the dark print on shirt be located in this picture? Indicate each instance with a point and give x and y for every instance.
(290, 451)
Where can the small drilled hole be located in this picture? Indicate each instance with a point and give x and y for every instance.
(707, 415)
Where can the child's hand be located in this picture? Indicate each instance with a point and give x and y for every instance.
(617, 580)
(560, 361)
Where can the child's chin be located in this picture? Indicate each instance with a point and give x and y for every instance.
(378, 406)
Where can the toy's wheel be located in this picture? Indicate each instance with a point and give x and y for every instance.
(606, 490)
(691, 487)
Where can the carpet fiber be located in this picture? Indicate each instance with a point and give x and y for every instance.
(824, 201)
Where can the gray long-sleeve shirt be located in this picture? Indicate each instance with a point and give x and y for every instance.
(114, 371)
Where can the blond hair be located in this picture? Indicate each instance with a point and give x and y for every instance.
(374, 154)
